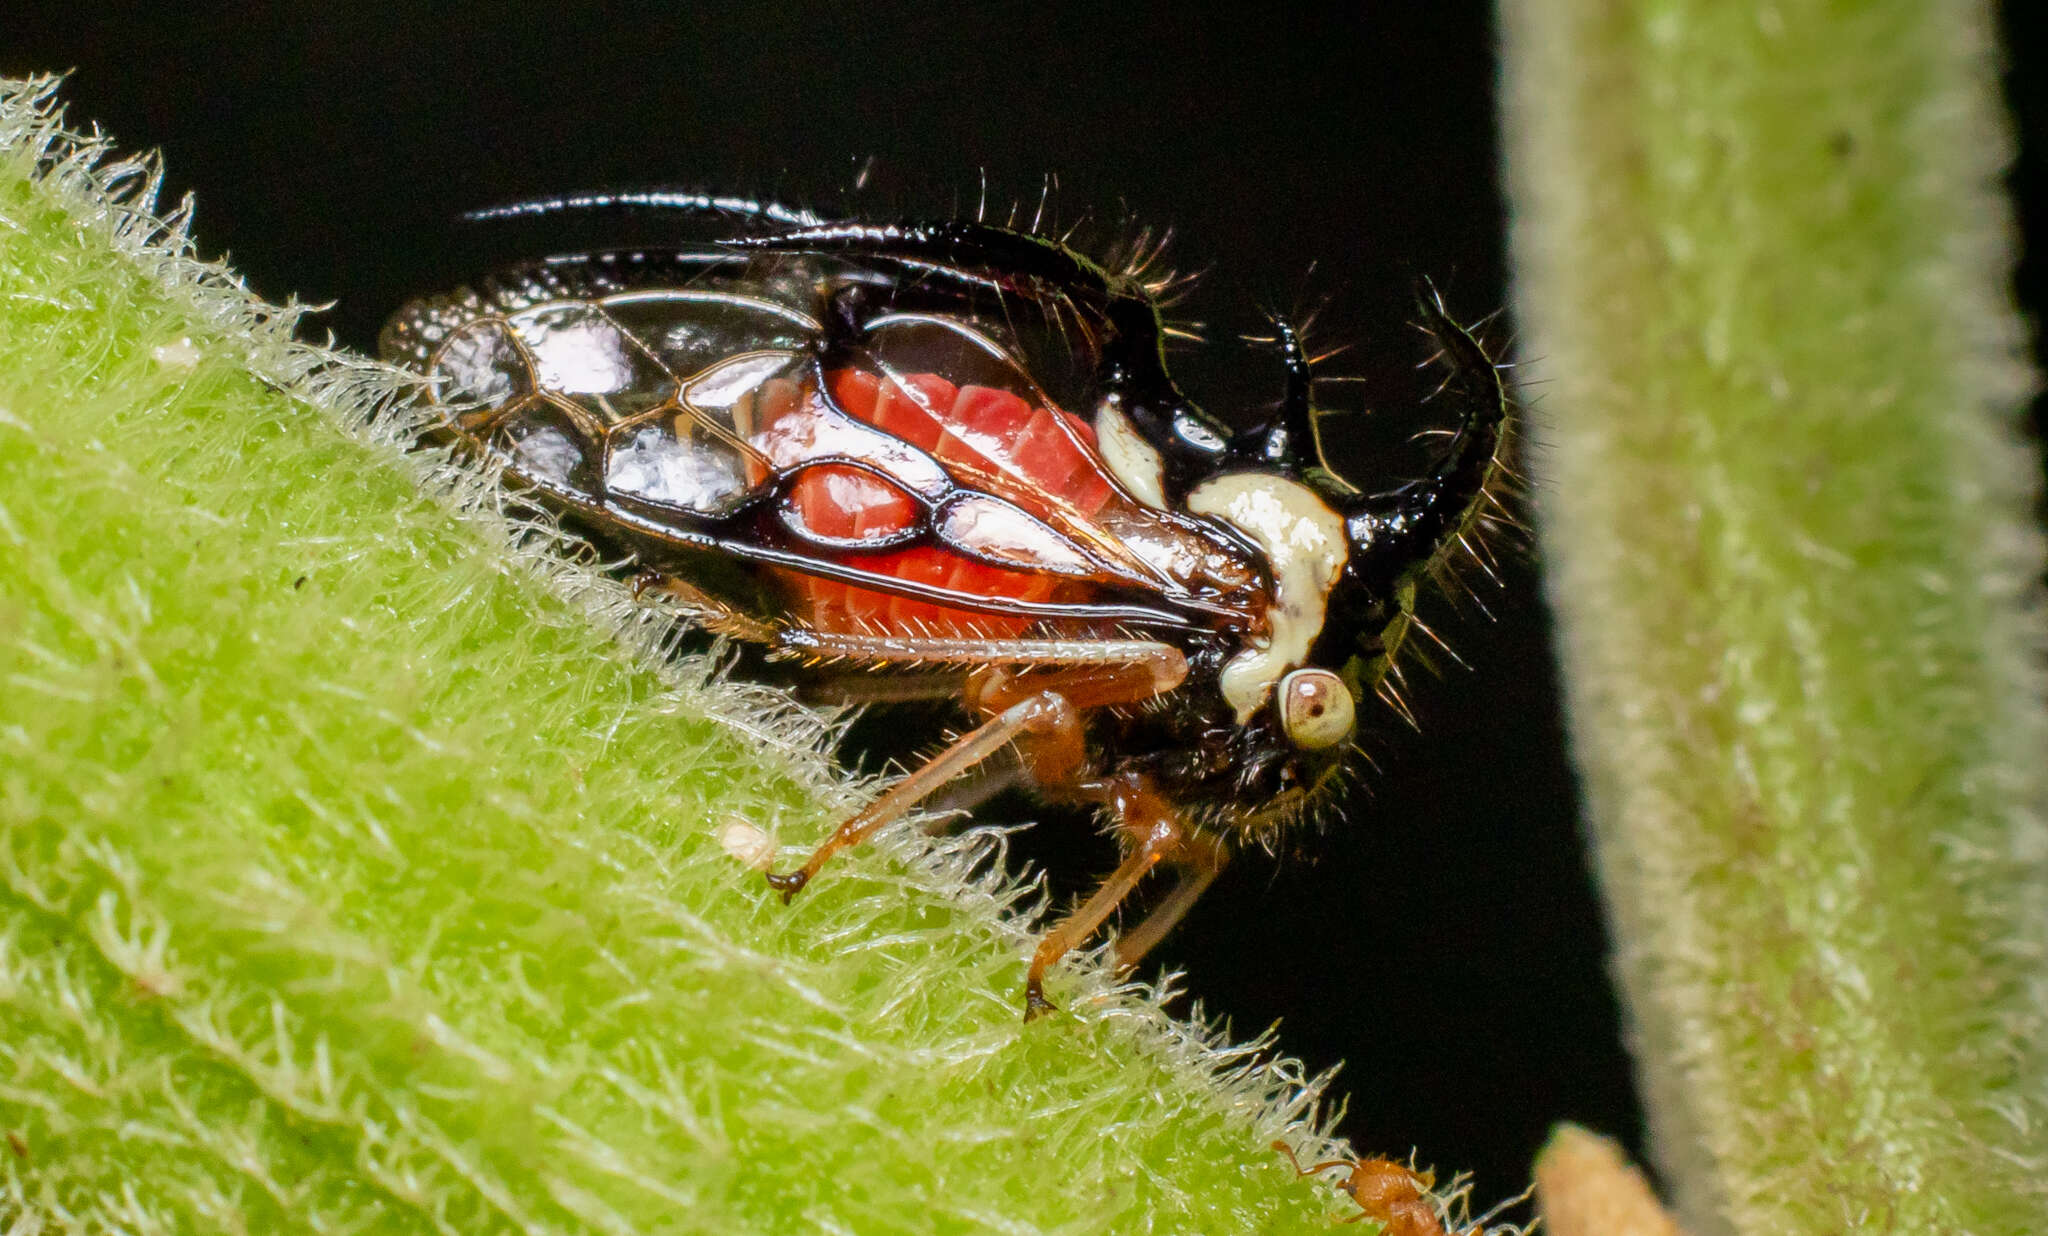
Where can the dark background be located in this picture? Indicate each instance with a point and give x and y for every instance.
(1445, 941)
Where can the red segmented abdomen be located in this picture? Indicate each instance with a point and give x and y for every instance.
(977, 432)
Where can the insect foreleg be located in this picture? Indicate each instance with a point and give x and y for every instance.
(1058, 759)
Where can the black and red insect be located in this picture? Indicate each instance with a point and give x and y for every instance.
(950, 455)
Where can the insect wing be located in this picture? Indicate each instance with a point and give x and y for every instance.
(922, 482)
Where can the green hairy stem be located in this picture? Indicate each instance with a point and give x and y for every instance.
(1762, 257)
(365, 866)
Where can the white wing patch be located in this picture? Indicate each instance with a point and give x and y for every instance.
(1303, 541)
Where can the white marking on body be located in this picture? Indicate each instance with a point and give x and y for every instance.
(1303, 542)
(1130, 459)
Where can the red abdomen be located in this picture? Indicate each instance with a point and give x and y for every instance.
(986, 438)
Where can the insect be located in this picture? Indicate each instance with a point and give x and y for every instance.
(1392, 1194)
(947, 460)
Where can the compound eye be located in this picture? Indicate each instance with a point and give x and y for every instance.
(1315, 709)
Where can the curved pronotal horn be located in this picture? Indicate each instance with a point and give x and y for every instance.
(677, 203)
(1422, 514)
(1290, 438)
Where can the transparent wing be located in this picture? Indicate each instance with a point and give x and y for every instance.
(921, 481)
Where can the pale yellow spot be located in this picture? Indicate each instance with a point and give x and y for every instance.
(1129, 458)
(746, 843)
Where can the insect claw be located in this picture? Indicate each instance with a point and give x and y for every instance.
(789, 884)
(1035, 1003)
(645, 579)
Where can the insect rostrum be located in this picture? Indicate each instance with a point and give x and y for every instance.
(950, 455)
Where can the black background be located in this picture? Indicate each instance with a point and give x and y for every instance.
(1445, 941)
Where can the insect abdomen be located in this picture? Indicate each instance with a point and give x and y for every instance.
(973, 431)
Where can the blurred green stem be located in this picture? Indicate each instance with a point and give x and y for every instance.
(1762, 260)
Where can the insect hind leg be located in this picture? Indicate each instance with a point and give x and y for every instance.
(1044, 713)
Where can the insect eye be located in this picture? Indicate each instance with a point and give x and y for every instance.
(1315, 709)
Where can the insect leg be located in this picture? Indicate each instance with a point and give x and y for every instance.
(1040, 713)
(1057, 759)
(972, 790)
(1144, 667)
(1080, 674)
(1299, 1170)
(1201, 861)
(1143, 816)
(1048, 708)
(704, 609)
(1163, 666)
(867, 687)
